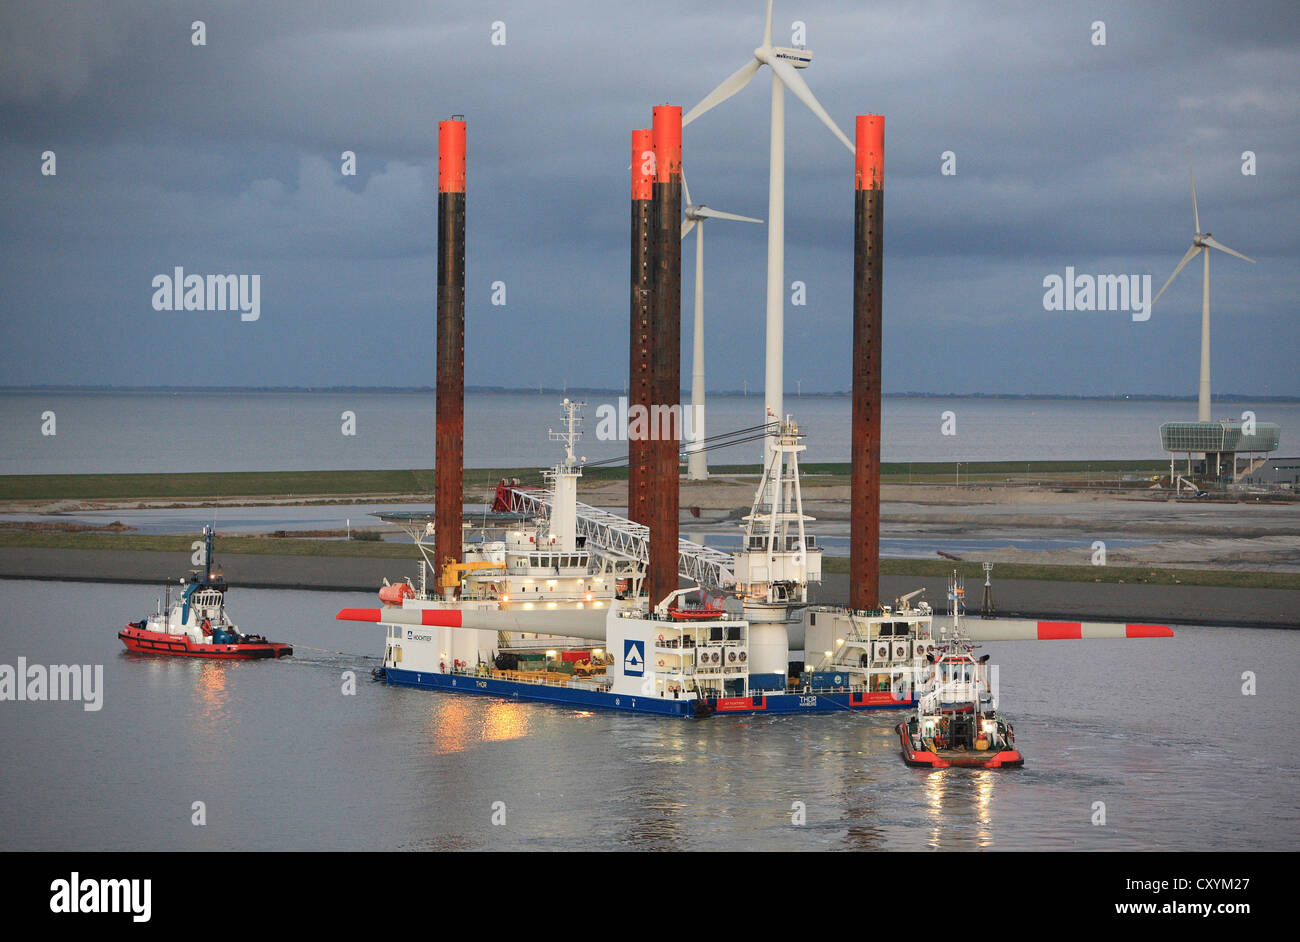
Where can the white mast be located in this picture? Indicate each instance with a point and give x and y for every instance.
(564, 509)
(778, 558)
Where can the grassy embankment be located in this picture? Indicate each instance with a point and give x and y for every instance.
(326, 484)
(1128, 575)
(225, 545)
(318, 485)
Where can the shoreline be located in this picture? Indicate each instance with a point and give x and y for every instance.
(1227, 607)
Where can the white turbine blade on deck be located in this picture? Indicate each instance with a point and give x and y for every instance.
(1191, 253)
(1196, 216)
(1019, 629)
(687, 225)
(719, 214)
(794, 81)
(730, 85)
(1223, 248)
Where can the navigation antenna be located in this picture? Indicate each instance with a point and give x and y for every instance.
(571, 434)
(956, 603)
(563, 522)
(987, 606)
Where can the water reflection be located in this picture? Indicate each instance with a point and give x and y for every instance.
(211, 727)
(959, 808)
(456, 723)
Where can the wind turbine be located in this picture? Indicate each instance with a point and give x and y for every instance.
(783, 61)
(1201, 242)
(697, 466)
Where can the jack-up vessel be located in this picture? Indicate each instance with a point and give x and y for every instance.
(532, 583)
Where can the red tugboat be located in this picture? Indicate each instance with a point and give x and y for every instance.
(197, 625)
(955, 723)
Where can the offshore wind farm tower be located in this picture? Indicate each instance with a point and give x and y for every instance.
(1221, 443)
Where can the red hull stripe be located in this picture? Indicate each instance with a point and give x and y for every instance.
(1148, 631)
(152, 642)
(1060, 631)
(358, 614)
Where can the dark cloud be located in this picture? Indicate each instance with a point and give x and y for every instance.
(226, 159)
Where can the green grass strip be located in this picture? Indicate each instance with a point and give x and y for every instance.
(225, 545)
(305, 484)
(1130, 575)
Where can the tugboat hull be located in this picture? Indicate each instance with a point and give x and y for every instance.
(945, 758)
(139, 641)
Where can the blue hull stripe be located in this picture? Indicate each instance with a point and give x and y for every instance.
(574, 697)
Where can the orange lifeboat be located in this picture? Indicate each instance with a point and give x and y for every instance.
(696, 613)
(393, 594)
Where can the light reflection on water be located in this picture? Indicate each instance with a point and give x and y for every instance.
(1158, 730)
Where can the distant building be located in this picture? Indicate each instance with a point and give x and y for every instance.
(1227, 450)
(1274, 472)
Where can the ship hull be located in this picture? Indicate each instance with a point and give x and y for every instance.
(138, 641)
(777, 703)
(945, 759)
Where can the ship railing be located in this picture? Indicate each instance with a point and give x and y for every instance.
(525, 677)
(611, 534)
(601, 685)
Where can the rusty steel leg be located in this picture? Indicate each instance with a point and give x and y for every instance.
(449, 435)
(640, 369)
(665, 418)
(868, 215)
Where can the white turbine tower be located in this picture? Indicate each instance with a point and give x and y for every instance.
(697, 466)
(1201, 242)
(783, 61)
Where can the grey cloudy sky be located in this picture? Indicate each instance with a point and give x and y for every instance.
(226, 158)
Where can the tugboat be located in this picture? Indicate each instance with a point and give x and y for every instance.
(955, 723)
(197, 625)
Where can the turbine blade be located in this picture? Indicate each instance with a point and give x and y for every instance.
(767, 25)
(686, 190)
(687, 225)
(730, 85)
(1196, 215)
(1191, 253)
(794, 81)
(1223, 248)
(719, 214)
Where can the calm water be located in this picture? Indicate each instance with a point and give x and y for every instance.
(1158, 730)
(266, 431)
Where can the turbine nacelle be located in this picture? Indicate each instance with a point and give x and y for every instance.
(799, 58)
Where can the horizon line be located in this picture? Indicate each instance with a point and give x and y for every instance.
(558, 390)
